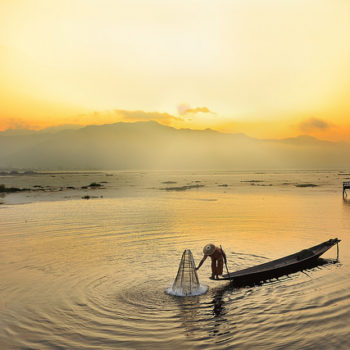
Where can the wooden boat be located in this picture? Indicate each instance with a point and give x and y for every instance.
(283, 266)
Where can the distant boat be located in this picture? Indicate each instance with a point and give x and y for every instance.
(283, 266)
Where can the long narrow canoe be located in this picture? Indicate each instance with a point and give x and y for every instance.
(282, 266)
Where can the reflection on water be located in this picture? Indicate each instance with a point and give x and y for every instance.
(91, 274)
(231, 287)
(189, 313)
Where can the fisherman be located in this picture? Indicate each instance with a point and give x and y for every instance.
(218, 257)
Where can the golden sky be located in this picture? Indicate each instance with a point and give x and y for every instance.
(268, 68)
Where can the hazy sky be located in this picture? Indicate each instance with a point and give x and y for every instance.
(268, 68)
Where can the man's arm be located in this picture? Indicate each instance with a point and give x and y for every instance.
(201, 262)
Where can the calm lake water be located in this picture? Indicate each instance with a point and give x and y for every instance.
(92, 274)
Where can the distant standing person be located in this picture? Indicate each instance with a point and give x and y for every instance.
(218, 257)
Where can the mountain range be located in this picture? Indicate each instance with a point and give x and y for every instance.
(150, 145)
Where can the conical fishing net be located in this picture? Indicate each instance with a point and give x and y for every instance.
(186, 281)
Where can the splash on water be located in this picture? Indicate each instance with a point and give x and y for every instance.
(186, 282)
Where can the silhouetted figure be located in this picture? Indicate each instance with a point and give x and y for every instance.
(218, 257)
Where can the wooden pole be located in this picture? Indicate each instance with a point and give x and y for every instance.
(346, 186)
(337, 252)
(226, 266)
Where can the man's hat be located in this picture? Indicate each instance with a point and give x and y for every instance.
(209, 249)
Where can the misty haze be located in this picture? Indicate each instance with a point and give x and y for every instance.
(149, 145)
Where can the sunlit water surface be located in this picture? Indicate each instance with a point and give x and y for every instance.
(92, 274)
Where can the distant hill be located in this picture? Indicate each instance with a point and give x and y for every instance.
(149, 145)
(51, 129)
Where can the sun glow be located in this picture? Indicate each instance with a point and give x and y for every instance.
(259, 67)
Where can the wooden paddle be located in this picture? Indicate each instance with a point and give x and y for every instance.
(226, 265)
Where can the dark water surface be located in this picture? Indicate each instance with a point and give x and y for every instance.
(91, 274)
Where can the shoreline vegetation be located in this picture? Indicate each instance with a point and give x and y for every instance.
(182, 188)
(4, 189)
(39, 188)
(54, 172)
(28, 185)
